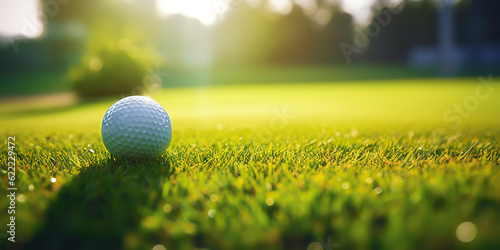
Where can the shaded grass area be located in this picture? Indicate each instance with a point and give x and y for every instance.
(224, 75)
(370, 165)
(105, 208)
(32, 82)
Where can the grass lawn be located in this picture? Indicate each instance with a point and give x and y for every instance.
(270, 166)
(27, 82)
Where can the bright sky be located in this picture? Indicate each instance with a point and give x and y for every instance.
(360, 9)
(208, 11)
(205, 11)
(20, 17)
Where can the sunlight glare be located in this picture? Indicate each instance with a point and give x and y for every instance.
(20, 18)
(281, 6)
(202, 10)
(359, 9)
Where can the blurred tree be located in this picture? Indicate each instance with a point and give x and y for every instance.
(415, 25)
(478, 26)
(119, 50)
(253, 34)
(243, 36)
(293, 38)
(338, 30)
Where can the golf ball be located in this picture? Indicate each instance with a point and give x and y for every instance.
(136, 128)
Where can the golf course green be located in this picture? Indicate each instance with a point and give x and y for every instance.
(395, 164)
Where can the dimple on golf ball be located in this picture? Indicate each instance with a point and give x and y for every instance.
(136, 128)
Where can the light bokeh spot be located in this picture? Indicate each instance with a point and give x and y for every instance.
(213, 197)
(134, 52)
(95, 64)
(219, 127)
(167, 208)
(270, 201)
(369, 180)
(280, 6)
(315, 246)
(205, 11)
(21, 198)
(466, 232)
(159, 247)
(124, 44)
(211, 213)
(323, 16)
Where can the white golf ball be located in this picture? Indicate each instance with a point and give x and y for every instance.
(137, 128)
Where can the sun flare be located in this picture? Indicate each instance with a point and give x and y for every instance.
(205, 11)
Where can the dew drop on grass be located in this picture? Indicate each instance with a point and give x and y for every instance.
(53, 180)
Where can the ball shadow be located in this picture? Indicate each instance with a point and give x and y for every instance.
(101, 205)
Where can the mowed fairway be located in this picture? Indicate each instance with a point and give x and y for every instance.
(269, 166)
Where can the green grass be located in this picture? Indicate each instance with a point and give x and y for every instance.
(359, 165)
(32, 82)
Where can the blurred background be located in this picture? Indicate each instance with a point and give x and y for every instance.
(100, 48)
